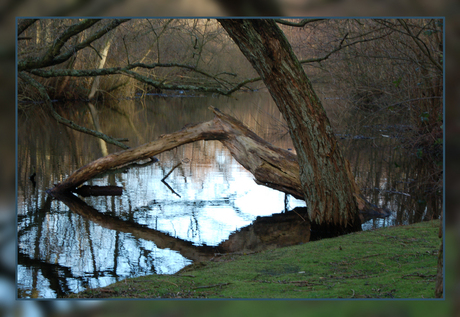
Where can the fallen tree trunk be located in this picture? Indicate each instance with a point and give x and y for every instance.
(271, 166)
(209, 130)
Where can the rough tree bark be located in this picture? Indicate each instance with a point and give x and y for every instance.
(326, 185)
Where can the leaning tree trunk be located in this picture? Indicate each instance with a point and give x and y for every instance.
(327, 189)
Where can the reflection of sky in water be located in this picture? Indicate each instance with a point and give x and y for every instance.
(45, 292)
(215, 200)
(212, 204)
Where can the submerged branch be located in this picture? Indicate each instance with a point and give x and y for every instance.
(172, 170)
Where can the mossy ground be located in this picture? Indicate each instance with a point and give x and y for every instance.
(394, 262)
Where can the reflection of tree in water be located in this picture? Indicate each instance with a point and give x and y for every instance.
(389, 174)
(62, 278)
(57, 275)
(265, 232)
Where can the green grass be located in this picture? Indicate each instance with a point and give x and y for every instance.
(395, 262)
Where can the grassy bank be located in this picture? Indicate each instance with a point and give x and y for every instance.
(395, 262)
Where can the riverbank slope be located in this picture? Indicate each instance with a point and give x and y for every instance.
(394, 262)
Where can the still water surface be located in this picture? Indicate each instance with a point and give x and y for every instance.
(208, 204)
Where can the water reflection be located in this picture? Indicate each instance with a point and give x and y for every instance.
(211, 204)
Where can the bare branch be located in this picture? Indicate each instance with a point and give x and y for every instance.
(343, 39)
(410, 100)
(157, 38)
(25, 24)
(227, 73)
(338, 48)
(419, 43)
(97, 52)
(297, 24)
(157, 84)
(126, 49)
(415, 38)
(242, 84)
(162, 85)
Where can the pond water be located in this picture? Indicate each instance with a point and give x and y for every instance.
(208, 204)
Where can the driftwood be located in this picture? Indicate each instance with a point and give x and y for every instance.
(271, 166)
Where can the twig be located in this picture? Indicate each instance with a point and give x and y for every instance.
(175, 166)
(167, 185)
(186, 275)
(353, 293)
(302, 23)
(304, 282)
(209, 286)
(300, 215)
(173, 191)
(418, 275)
(169, 282)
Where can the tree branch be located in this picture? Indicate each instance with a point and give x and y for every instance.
(162, 85)
(227, 87)
(338, 48)
(25, 24)
(60, 41)
(416, 39)
(419, 43)
(157, 84)
(302, 23)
